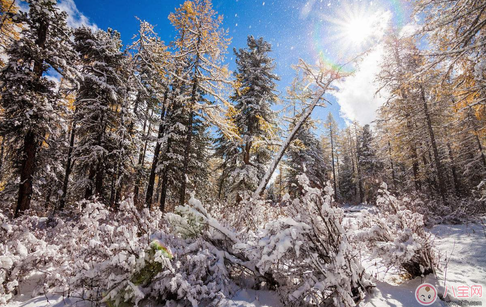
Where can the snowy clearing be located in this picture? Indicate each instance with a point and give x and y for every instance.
(462, 246)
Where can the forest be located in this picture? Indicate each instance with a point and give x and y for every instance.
(150, 174)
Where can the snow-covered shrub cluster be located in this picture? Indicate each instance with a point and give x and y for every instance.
(307, 253)
(119, 257)
(395, 235)
(304, 254)
(22, 249)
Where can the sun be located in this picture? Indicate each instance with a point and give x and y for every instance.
(355, 27)
(358, 30)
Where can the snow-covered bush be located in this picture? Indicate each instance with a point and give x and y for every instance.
(308, 254)
(396, 235)
(23, 249)
(118, 257)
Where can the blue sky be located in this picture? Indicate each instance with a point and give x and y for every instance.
(295, 28)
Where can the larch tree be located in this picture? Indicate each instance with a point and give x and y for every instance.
(332, 130)
(199, 49)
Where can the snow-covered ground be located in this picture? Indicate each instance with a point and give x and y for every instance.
(462, 250)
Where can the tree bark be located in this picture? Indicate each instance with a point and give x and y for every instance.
(67, 173)
(155, 160)
(26, 173)
(438, 164)
(332, 162)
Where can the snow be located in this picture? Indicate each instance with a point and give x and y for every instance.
(253, 298)
(462, 249)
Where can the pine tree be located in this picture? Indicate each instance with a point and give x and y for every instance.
(100, 109)
(28, 99)
(305, 157)
(152, 82)
(369, 165)
(254, 118)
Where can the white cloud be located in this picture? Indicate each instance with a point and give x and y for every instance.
(75, 18)
(357, 93)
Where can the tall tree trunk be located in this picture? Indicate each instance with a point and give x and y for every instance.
(67, 173)
(91, 176)
(30, 140)
(26, 173)
(332, 162)
(155, 160)
(165, 183)
(2, 150)
(185, 168)
(394, 180)
(455, 177)
(276, 160)
(195, 86)
(358, 168)
(141, 156)
(438, 164)
(100, 172)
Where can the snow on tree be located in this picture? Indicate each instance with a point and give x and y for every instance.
(254, 119)
(369, 165)
(101, 108)
(28, 99)
(199, 50)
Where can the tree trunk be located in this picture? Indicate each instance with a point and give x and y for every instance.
(30, 140)
(358, 169)
(438, 164)
(136, 189)
(185, 169)
(276, 160)
(155, 160)
(67, 173)
(100, 171)
(195, 85)
(26, 173)
(165, 183)
(332, 162)
(394, 180)
(2, 150)
(455, 177)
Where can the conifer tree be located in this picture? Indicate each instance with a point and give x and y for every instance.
(254, 118)
(99, 105)
(28, 99)
(331, 131)
(199, 49)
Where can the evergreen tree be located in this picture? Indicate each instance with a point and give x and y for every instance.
(305, 156)
(100, 109)
(29, 103)
(152, 83)
(254, 119)
(332, 131)
(368, 164)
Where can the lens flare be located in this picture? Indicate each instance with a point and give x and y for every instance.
(351, 28)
